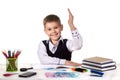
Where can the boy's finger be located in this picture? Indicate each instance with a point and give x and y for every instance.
(69, 11)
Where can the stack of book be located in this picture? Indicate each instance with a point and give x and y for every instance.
(99, 63)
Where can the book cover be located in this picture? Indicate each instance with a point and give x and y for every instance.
(98, 60)
(99, 65)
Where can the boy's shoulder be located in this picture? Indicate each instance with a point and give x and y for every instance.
(41, 42)
(45, 41)
(64, 40)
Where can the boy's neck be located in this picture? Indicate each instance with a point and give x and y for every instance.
(54, 42)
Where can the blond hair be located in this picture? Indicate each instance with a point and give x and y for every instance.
(51, 18)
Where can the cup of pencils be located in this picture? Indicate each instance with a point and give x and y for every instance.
(11, 60)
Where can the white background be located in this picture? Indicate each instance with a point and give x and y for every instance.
(98, 22)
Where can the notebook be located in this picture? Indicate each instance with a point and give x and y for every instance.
(100, 69)
(99, 65)
(98, 60)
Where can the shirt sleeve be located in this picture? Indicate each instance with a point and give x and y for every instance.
(45, 59)
(76, 42)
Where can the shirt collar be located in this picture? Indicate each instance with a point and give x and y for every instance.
(50, 43)
(58, 40)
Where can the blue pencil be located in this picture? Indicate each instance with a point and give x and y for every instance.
(9, 54)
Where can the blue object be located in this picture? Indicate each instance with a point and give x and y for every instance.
(55, 69)
(96, 75)
(97, 72)
(61, 75)
(48, 68)
(9, 53)
(66, 74)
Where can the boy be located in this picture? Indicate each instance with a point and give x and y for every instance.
(57, 50)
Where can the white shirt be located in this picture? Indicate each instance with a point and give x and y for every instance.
(74, 44)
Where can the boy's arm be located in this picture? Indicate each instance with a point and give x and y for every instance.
(70, 63)
(76, 43)
(45, 59)
(77, 39)
(70, 21)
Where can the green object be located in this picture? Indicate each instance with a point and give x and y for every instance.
(11, 64)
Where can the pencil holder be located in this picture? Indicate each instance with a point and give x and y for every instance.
(11, 64)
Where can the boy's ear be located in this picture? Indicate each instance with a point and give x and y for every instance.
(61, 27)
(44, 30)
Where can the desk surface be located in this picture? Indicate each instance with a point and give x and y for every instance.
(108, 75)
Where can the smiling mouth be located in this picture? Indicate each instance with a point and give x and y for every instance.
(54, 34)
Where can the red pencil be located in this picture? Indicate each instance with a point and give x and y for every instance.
(5, 54)
(17, 53)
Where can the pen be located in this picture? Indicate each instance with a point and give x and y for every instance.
(79, 69)
(61, 67)
(96, 72)
(9, 74)
(96, 75)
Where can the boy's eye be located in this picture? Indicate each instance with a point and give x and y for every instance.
(49, 29)
(55, 27)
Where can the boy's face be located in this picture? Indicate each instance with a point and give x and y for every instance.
(53, 30)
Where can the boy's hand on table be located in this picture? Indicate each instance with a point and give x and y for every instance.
(70, 63)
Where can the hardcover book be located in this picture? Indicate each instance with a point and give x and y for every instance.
(98, 60)
(99, 63)
(100, 69)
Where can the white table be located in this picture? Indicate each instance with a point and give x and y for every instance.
(108, 75)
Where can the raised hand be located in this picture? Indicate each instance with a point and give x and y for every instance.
(70, 20)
